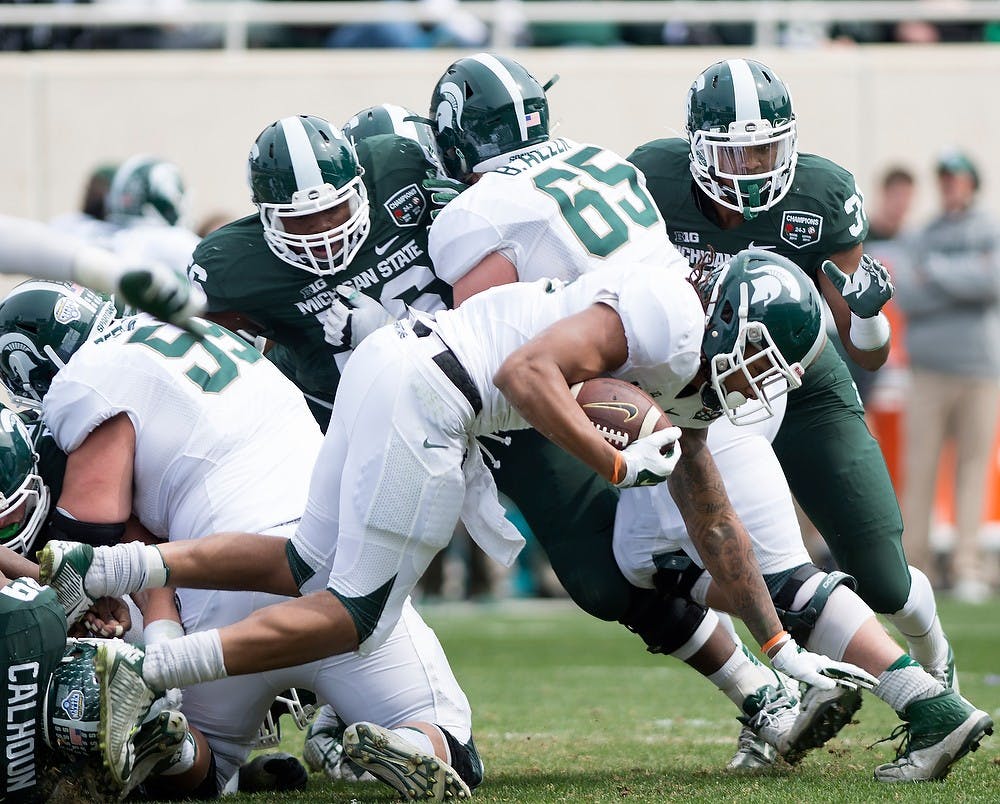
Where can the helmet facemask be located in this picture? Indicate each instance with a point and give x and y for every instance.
(328, 251)
(754, 355)
(748, 168)
(23, 514)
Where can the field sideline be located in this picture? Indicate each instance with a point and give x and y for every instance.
(568, 709)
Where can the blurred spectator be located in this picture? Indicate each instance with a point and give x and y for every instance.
(948, 286)
(90, 223)
(453, 27)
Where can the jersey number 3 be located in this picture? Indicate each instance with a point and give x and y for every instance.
(598, 217)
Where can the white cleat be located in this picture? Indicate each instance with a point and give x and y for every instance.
(403, 766)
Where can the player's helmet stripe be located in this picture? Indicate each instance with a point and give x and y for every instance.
(300, 153)
(745, 90)
(503, 75)
(402, 126)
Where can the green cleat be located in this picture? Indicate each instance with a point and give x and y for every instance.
(157, 746)
(63, 566)
(402, 766)
(937, 732)
(823, 713)
(125, 702)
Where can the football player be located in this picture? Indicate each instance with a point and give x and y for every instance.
(399, 466)
(539, 207)
(147, 205)
(738, 181)
(820, 609)
(170, 428)
(32, 248)
(341, 227)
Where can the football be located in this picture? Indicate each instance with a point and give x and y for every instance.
(621, 411)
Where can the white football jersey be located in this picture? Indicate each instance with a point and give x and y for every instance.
(145, 243)
(660, 311)
(557, 211)
(207, 415)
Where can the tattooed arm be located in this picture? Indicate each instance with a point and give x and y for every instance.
(719, 536)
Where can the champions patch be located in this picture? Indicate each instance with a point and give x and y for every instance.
(801, 229)
(406, 206)
(66, 311)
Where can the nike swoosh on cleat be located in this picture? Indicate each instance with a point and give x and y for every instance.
(429, 445)
(382, 249)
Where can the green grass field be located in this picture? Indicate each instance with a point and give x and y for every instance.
(569, 709)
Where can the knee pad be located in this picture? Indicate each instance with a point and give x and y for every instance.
(676, 573)
(800, 616)
(465, 759)
(842, 616)
(665, 624)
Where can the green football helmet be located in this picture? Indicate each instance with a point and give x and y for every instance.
(486, 110)
(147, 189)
(42, 323)
(72, 708)
(763, 321)
(301, 166)
(387, 118)
(741, 130)
(24, 497)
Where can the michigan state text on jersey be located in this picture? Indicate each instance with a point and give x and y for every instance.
(240, 273)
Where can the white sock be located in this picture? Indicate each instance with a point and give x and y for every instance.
(125, 568)
(904, 682)
(192, 659)
(417, 738)
(918, 622)
(188, 752)
(740, 677)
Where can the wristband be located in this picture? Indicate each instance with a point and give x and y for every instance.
(618, 475)
(778, 639)
(869, 334)
(161, 631)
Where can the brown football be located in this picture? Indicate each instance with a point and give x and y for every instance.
(621, 411)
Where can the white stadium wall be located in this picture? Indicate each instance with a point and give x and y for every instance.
(863, 107)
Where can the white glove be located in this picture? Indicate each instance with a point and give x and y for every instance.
(346, 325)
(163, 292)
(818, 670)
(650, 460)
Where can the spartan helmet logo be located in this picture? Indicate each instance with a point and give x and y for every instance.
(449, 110)
(769, 282)
(21, 357)
(165, 182)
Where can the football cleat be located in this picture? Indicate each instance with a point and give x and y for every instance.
(752, 753)
(822, 714)
(770, 714)
(403, 766)
(323, 751)
(125, 702)
(157, 746)
(937, 732)
(63, 566)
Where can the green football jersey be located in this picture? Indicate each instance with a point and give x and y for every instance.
(822, 214)
(239, 273)
(34, 639)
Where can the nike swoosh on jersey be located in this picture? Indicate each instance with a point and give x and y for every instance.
(752, 245)
(380, 250)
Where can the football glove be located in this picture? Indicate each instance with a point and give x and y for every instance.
(818, 670)
(352, 317)
(650, 460)
(442, 191)
(866, 290)
(163, 292)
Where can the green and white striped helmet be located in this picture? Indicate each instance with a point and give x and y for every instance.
(301, 166)
(147, 189)
(24, 497)
(387, 118)
(741, 129)
(486, 110)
